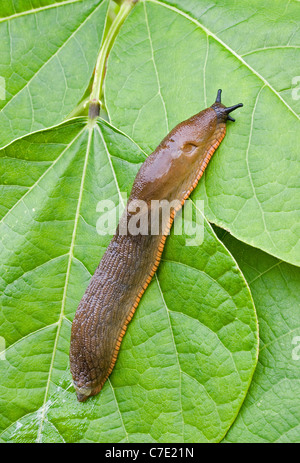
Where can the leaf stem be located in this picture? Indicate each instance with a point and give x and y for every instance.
(94, 107)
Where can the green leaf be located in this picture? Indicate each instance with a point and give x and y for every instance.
(48, 53)
(271, 411)
(167, 64)
(189, 354)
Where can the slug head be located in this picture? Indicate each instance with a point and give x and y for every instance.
(177, 162)
(221, 110)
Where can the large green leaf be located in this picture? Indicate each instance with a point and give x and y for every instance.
(271, 411)
(48, 53)
(167, 64)
(188, 357)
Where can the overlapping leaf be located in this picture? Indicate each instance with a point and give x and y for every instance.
(271, 411)
(155, 79)
(188, 357)
(48, 53)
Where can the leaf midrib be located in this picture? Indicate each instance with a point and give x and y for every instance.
(61, 315)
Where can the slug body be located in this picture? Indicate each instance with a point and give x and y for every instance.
(170, 173)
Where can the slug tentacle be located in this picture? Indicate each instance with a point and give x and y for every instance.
(218, 99)
(168, 175)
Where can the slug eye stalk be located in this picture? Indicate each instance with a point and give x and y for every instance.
(218, 99)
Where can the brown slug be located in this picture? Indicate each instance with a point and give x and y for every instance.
(170, 173)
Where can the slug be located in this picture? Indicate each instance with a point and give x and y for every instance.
(170, 173)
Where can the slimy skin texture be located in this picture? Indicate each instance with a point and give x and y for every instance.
(171, 172)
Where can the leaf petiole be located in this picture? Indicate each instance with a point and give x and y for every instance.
(95, 103)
